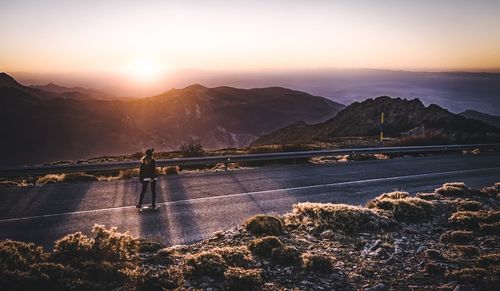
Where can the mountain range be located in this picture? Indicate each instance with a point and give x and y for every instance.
(44, 123)
(402, 117)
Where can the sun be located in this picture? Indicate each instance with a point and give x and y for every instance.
(145, 70)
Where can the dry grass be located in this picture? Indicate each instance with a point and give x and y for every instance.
(265, 246)
(473, 220)
(206, 264)
(457, 237)
(243, 279)
(337, 217)
(264, 225)
(402, 207)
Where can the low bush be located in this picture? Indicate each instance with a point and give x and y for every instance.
(489, 228)
(472, 220)
(235, 256)
(20, 255)
(206, 264)
(170, 170)
(113, 246)
(402, 207)
(79, 177)
(287, 256)
(433, 254)
(469, 205)
(479, 277)
(50, 179)
(468, 251)
(337, 217)
(317, 263)
(128, 173)
(73, 248)
(492, 191)
(264, 246)
(243, 279)
(453, 189)
(457, 237)
(148, 246)
(429, 196)
(163, 257)
(489, 260)
(264, 225)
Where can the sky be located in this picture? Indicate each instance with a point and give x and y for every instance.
(148, 39)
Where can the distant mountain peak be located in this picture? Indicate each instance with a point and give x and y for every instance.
(195, 87)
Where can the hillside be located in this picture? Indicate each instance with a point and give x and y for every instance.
(36, 129)
(486, 118)
(402, 118)
(74, 92)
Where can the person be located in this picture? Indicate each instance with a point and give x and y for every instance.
(147, 175)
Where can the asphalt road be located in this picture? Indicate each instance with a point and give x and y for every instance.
(192, 206)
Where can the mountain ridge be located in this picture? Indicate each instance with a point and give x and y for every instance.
(402, 117)
(35, 129)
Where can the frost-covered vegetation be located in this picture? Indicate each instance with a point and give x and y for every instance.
(442, 240)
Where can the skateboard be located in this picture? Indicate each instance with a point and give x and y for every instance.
(149, 208)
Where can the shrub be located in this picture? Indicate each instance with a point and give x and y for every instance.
(492, 190)
(433, 254)
(429, 196)
(111, 245)
(469, 205)
(147, 246)
(206, 264)
(317, 263)
(159, 280)
(408, 209)
(434, 269)
(336, 217)
(192, 148)
(264, 246)
(394, 195)
(20, 255)
(453, 189)
(477, 276)
(361, 157)
(50, 179)
(163, 257)
(264, 225)
(73, 248)
(489, 260)
(79, 177)
(288, 256)
(128, 173)
(457, 237)
(235, 256)
(243, 279)
(472, 220)
(490, 228)
(468, 251)
(171, 170)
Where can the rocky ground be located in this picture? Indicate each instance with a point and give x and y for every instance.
(445, 240)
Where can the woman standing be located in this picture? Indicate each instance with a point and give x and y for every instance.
(147, 175)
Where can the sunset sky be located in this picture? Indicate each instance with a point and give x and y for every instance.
(148, 38)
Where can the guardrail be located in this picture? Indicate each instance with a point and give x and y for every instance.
(52, 169)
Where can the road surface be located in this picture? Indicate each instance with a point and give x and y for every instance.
(192, 206)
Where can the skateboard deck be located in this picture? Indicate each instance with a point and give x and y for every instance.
(149, 208)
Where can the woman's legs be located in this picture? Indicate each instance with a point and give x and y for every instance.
(153, 191)
(143, 191)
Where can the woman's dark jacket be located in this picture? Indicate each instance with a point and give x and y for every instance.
(148, 169)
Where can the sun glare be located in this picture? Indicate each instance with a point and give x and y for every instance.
(145, 70)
